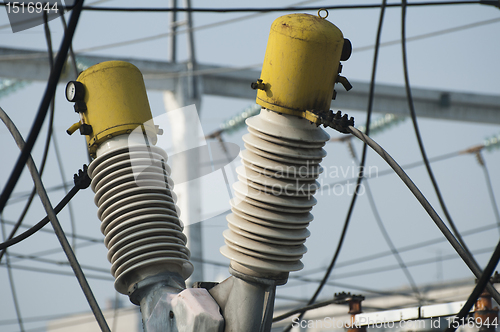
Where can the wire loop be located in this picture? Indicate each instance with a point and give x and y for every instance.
(326, 13)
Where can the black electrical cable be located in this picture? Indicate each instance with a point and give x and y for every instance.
(461, 242)
(491, 194)
(281, 9)
(361, 170)
(28, 204)
(417, 131)
(430, 34)
(41, 223)
(355, 287)
(308, 307)
(59, 272)
(45, 150)
(13, 291)
(49, 251)
(481, 284)
(415, 246)
(34, 319)
(52, 111)
(390, 171)
(466, 256)
(382, 254)
(419, 262)
(384, 231)
(57, 262)
(71, 52)
(21, 196)
(44, 106)
(75, 69)
(89, 239)
(58, 230)
(215, 24)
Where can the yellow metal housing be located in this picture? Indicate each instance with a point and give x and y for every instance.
(116, 100)
(301, 64)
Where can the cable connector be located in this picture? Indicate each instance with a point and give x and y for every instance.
(336, 121)
(344, 297)
(82, 179)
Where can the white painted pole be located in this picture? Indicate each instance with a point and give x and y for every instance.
(185, 136)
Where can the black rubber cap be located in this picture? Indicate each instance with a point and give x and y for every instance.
(346, 50)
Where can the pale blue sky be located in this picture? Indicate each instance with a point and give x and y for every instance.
(461, 61)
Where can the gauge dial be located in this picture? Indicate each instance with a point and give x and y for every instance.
(75, 91)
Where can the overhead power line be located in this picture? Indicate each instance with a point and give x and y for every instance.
(186, 30)
(281, 9)
(57, 272)
(418, 136)
(429, 34)
(361, 170)
(410, 247)
(385, 233)
(480, 286)
(355, 49)
(43, 108)
(13, 291)
(419, 262)
(464, 254)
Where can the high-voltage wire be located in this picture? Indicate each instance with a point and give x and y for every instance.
(58, 272)
(489, 144)
(11, 280)
(361, 170)
(385, 268)
(22, 195)
(71, 52)
(51, 231)
(417, 131)
(187, 30)
(480, 285)
(489, 185)
(466, 257)
(281, 9)
(57, 226)
(308, 307)
(385, 233)
(23, 236)
(45, 149)
(57, 262)
(44, 105)
(48, 38)
(302, 276)
(216, 24)
(418, 245)
(348, 286)
(429, 34)
(390, 171)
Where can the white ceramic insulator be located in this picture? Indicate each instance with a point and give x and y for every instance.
(136, 205)
(273, 197)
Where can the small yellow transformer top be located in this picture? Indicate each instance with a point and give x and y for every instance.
(114, 102)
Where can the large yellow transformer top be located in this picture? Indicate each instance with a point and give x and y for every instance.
(301, 64)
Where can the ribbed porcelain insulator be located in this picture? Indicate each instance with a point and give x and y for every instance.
(139, 217)
(273, 197)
